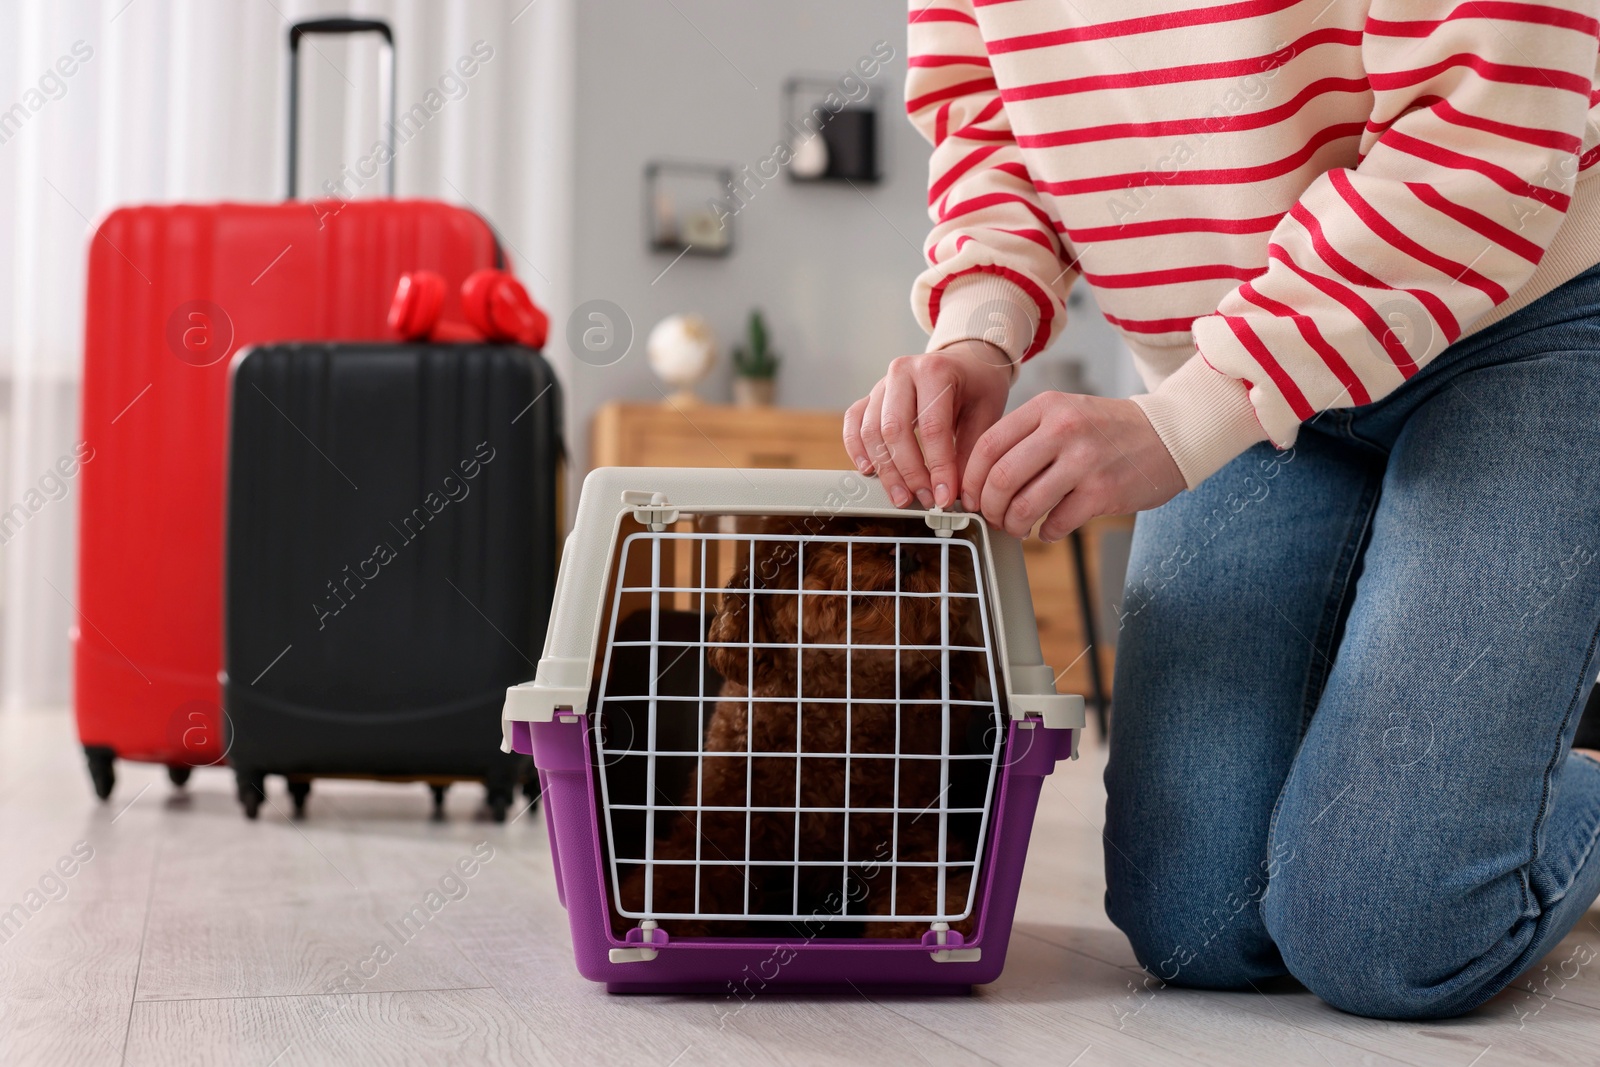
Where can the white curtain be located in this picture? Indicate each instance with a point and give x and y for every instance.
(184, 100)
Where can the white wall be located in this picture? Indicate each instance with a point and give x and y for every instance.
(830, 265)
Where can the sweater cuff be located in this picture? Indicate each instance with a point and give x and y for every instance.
(986, 307)
(1204, 417)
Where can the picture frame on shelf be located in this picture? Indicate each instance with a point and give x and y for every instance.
(681, 207)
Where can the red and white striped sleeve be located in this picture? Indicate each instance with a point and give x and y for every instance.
(997, 270)
(1477, 136)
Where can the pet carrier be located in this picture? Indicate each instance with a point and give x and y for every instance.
(789, 735)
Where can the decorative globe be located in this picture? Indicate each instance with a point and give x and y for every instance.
(682, 350)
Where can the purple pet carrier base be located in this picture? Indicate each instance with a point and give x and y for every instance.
(561, 750)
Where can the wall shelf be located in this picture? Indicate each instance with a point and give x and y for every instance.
(680, 207)
(829, 143)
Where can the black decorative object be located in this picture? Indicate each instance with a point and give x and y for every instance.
(831, 136)
(689, 207)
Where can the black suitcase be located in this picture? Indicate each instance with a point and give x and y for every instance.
(392, 529)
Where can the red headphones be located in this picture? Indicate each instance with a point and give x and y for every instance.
(497, 307)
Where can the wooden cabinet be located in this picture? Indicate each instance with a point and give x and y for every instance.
(710, 435)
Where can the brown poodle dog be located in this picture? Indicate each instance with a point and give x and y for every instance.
(796, 710)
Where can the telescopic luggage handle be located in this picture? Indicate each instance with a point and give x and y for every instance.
(386, 100)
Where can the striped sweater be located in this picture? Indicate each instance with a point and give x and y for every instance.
(1283, 206)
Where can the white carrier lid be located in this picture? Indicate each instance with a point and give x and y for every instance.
(659, 496)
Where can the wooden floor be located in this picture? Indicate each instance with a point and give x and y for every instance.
(191, 937)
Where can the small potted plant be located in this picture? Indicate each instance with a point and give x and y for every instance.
(755, 367)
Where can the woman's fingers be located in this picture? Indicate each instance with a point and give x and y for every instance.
(1025, 484)
(976, 414)
(854, 447)
(879, 450)
(917, 427)
(994, 443)
(1075, 509)
(938, 386)
(1040, 497)
(871, 438)
(916, 398)
(899, 427)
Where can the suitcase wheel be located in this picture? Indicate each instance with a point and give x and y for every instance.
(252, 790)
(499, 800)
(179, 774)
(101, 760)
(299, 789)
(438, 800)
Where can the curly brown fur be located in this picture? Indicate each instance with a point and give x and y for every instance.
(799, 692)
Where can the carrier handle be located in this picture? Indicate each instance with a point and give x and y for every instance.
(386, 90)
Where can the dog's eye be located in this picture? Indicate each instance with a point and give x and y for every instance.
(908, 563)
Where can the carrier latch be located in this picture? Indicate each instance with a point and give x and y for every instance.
(943, 522)
(941, 934)
(1033, 693)
(639, 939)
(650, 509)
(558, 683)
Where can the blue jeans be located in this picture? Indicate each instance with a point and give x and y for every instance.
(1347, 683)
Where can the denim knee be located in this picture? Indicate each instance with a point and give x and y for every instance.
(1369, 951)
(1178, 944)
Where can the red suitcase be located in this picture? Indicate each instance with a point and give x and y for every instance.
(173, 292)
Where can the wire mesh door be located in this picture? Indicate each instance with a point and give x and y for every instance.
(797, 726)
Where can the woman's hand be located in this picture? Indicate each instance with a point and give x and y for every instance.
(918, 426)
(1070, 458)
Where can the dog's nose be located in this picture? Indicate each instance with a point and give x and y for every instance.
(908, 562)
